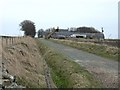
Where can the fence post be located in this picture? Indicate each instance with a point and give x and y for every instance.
(1, 46)
(2, 42)
(13, 40)
(6, 41)
(10, 41)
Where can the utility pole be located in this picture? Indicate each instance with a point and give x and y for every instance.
(102, 29)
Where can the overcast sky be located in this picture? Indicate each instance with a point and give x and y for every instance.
(63, 13)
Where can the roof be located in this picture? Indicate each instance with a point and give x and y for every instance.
(87, 30)
(63, 30)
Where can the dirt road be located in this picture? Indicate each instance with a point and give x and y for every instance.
(103, 69)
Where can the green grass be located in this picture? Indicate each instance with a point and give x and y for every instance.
(100, 50)
(67, 73)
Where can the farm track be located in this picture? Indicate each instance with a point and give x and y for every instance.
(103, 69)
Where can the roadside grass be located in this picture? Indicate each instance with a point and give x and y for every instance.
(100, 50)
(67, 73)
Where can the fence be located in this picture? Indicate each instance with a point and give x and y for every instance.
(10, 40)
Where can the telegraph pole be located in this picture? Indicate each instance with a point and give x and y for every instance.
(102, 29)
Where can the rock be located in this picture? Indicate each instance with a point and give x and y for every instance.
(7, 80)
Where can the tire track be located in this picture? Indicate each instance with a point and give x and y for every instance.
(49, 82)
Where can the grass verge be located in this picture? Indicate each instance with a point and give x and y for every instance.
(67, 73)
(100, 50)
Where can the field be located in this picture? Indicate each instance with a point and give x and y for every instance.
(110, 42)
(91, 46)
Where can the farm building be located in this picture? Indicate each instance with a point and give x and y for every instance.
(81, 32)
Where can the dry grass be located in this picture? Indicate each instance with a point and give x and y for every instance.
(24, 60)
(98, 49)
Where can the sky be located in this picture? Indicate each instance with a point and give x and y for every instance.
(63, 13)
(119, 20)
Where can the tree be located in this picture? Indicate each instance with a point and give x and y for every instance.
(40, 33)
(28, 27)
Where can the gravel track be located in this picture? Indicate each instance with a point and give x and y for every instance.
(103, 69)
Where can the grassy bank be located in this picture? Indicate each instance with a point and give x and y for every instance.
(24, 61)
(28, 84)
(66, 73)
(100, 50)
